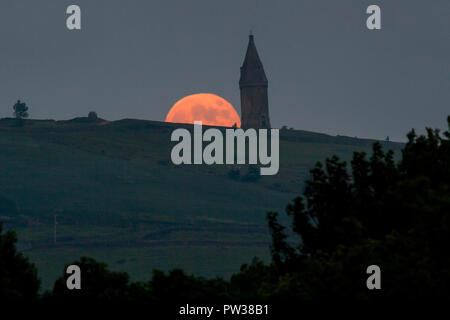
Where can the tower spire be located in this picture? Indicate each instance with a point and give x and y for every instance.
(252, 71)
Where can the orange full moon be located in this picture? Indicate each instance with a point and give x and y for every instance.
(208, 108)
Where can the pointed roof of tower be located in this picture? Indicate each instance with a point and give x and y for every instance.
(252, 71)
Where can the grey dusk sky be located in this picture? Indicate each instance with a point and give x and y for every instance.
(327, 72)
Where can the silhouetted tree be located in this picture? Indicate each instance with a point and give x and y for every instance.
(97, 283)
(18, 277)
(280, 250)
(177, 286)
(20, 111)
(254, 281)
(393, 215)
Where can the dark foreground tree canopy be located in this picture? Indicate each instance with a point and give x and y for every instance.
(396, 216)
(373, 211)
(18, 277)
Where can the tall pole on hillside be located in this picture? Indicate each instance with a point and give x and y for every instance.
(54, 229)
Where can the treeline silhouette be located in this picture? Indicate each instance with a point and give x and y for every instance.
(374, 211)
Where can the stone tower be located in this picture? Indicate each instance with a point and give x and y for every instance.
(253, 85)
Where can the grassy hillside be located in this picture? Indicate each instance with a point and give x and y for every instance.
(119, 199)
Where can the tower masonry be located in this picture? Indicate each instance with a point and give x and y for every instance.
(253, 85)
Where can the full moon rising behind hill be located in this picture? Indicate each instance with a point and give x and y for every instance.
(208, 108)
